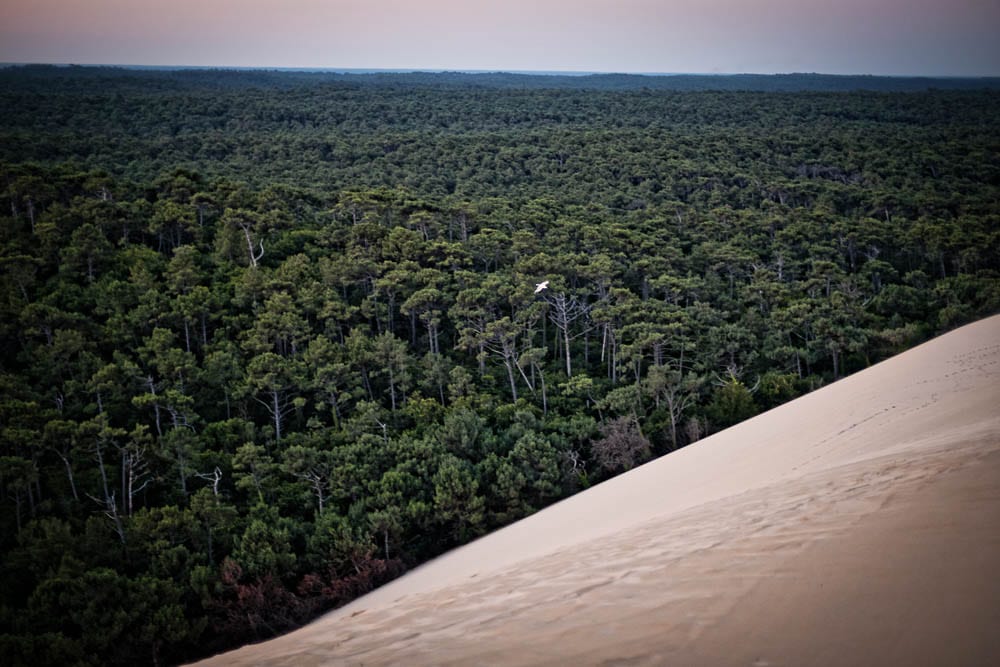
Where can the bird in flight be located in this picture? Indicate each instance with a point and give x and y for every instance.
(540, 286)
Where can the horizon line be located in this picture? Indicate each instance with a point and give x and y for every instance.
(437, 70)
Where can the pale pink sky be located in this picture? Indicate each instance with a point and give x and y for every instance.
(931, 37)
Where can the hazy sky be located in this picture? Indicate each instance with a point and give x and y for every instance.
(932, 37)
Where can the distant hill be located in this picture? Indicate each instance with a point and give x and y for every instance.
(171, 77)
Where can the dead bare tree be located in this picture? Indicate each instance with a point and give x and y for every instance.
(215, 477)
(563, 312)
(621, 445)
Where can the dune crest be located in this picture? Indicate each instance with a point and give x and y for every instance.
(857, 525)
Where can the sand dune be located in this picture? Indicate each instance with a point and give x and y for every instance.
(857, 525)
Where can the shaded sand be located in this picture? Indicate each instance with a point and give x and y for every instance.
(857, 525)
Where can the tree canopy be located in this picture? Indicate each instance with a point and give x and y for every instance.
(271, 339)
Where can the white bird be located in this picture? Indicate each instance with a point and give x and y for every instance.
(540, 286)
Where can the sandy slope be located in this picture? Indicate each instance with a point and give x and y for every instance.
(857, 525)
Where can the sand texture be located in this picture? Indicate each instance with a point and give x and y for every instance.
(858, 525)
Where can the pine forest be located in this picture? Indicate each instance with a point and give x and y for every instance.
(271, 339)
